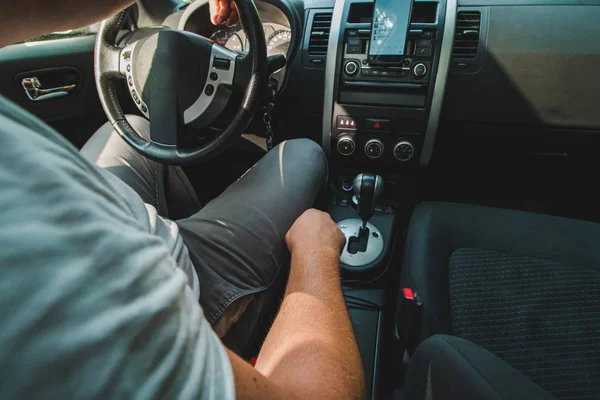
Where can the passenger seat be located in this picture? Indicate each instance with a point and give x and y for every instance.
(525, 287)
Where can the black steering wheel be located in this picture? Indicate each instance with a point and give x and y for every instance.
(180, 79)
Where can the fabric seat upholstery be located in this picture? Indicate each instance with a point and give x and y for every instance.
(524, 286)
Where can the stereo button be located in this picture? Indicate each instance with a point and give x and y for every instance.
(423, 51)
(419, 70)
(351, 68)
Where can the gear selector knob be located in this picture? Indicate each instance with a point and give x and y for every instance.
(367, 188)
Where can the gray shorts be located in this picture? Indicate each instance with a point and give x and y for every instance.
(236, 241)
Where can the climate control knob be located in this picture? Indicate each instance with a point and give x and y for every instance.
(351, 68)
(374, 148)
(346, 145)
(404, 151)
(419, 70)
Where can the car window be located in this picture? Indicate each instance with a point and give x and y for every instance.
(88, 30)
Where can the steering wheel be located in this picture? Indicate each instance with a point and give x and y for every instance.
(179, 79)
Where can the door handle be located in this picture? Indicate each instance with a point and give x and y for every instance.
(33, 89)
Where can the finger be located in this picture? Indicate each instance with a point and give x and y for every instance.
(215, 5)
(224, 11)
(233, 16)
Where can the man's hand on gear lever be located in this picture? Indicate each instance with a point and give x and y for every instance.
(223, 11)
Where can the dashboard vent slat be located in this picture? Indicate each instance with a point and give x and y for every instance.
(466, 36)
(319, 34)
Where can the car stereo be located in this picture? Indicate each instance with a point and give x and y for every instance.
(414, 68)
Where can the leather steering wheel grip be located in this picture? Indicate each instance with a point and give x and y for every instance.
(257, 58)
(106, 71)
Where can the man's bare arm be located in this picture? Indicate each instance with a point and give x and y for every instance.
(311, 351)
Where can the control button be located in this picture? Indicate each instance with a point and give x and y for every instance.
(385, 73)
(424, 43)
(427, 35)
(344, 122)
(144, 108)
(344, 203)
(365, 61)
(419, 70)
(374, 148)
(135, 96)
(377, 125)
(130, 81)
(128, 67)
(127, 55)
(404, 151)
(214, 76)
(221, 63)
(354, 41)
(423, 51)
(346, 146)
(210, 89)
(353, 49)
(351, 68)
(365, 71)
(415, 33)
(375, 72)
(407, 62)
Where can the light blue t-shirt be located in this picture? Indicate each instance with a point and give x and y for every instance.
(98, 298)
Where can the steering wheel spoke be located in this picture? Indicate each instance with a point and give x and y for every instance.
(164, 124)
(217, 90)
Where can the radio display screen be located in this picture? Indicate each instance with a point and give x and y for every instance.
(391, 23)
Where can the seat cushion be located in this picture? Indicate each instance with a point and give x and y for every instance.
(522, 285)
(447, 367)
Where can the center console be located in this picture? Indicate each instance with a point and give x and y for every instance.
(386, 115)
(380, 120)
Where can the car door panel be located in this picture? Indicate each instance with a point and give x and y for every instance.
(57, 64)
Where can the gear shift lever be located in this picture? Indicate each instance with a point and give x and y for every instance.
(365, 242)
(367, 188)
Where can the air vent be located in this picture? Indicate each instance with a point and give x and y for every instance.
(466, 37)
(319, 35)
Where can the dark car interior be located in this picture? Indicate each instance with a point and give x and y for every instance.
(463, 176)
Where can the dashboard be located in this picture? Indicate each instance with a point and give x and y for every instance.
(491, 73)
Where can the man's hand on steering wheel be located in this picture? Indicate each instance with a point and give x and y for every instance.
(223, 12)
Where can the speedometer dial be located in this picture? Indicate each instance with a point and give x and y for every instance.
(279, 42)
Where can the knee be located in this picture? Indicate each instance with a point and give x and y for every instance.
(304, 154)
(107, 141)
(140, 124)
